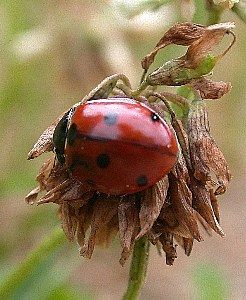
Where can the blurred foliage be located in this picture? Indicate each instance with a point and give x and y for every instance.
(210, 283)
(52, 54)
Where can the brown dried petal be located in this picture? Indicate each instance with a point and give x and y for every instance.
(168, 222)
(83, 215)
(104, 209)
(180, 169)
(181, 196)
(45, 141)
(215, 205)
(69, 190)
(69, 223)
(151, 204)
(32, 196)
(205, 155)
(204, 224)
(211, 37)
(106, 233)
(166, 240)
(51, 174)
(202, 204)
(128, 225)
(185, 243)
(210, 89)
(180, 34)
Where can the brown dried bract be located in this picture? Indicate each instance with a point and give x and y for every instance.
(210, 89)
(205, 155)
(180, 34)
(201, 47)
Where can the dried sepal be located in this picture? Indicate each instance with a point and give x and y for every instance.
(210, 89)
(151, 204)
(205, 154)
(215, 204)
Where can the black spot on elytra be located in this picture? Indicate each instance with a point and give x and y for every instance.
(72, 134)
(154, 117)
(142, 180)
(110, 119)
(103, 161)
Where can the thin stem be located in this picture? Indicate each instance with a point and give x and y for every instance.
(31, 261)
(140, 89)
(240, 10)
(138, 269)
(214, 12)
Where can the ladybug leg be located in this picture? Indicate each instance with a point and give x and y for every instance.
(176, 125)
(103, 90)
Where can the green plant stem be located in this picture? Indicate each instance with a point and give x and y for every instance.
(240, 10)
(138, 269)
(214, 13)
(28, 265)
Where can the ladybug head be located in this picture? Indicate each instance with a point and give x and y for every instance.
(60, 135)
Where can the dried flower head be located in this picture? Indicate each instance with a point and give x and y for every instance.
(175, 208)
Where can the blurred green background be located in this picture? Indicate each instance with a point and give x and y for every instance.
(53, 53)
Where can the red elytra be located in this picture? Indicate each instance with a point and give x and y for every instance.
(119, 146)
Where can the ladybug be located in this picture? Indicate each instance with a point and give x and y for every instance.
(117, 146)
